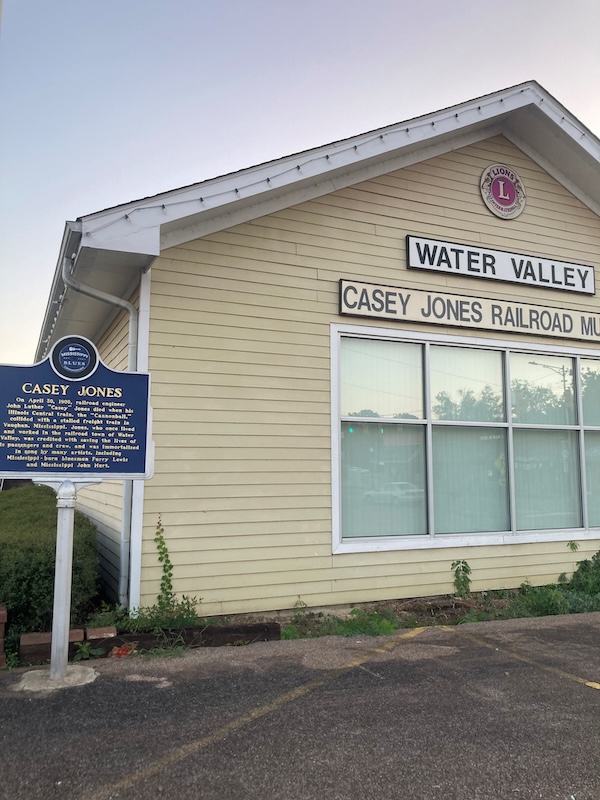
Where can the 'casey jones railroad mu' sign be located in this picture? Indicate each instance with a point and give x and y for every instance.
(360, 299)
(72, 417)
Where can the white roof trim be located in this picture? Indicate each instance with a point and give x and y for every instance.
(112, 246)
(152, 224)
(550, 168)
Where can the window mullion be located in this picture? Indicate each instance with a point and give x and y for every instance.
(510, 455)
(582, 466)
(428, 442)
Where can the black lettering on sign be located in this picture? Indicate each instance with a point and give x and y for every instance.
(347, 291)
(377, 302)
(590, 326)
(489, 262)
(427, 254)
(363, 301)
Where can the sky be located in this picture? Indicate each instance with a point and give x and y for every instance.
(106, 102)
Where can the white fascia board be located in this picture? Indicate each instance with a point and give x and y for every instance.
(172, 218)
(119, 232)
(135, 227)
(549, 167)
(576, 130)
(269, 204)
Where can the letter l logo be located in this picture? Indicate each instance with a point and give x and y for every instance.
(502, 196)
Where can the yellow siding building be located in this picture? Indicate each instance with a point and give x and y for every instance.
(340, 412)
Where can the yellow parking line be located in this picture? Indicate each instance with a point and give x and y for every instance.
(256, 713)
(517, 656)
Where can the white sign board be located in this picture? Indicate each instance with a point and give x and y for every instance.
(359, 299)
(483, 262)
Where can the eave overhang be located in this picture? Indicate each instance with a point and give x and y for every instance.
(110, 248)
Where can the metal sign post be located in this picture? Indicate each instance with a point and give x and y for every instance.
(66, 496)
(63, 570)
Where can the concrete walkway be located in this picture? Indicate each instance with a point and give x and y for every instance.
(484, 711)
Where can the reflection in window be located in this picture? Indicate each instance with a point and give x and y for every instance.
(469, 476)
(381, 379)
(547, 484)
(466, 384)
(590, 384)
(383, 479)
(542, 389)
(592, 474)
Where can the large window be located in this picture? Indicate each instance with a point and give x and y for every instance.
(439, 440)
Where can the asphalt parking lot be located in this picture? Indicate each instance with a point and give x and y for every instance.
(483, 711)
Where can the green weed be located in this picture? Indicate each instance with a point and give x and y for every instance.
(167, 618)
(462, 577)
(84, 651)
(12, 661)
(291, 632)
(166, 597)
(374, 623)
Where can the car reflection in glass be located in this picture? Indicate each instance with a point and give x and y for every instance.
(395, 493)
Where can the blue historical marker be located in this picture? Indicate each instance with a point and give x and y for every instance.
(70, 421)
(72, 417)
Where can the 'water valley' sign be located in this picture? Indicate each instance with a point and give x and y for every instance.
(483, 262)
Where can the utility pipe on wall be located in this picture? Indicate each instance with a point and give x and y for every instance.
(90, 291)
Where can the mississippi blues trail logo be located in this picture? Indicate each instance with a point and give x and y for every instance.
(502, 191)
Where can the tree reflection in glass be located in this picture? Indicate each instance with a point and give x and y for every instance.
(542, 390)
(466, 384)
(590, 382)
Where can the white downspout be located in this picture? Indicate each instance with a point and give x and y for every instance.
(70, 281)
(137, 503)
(125, 542)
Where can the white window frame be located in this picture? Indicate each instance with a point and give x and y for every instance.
(420, 542)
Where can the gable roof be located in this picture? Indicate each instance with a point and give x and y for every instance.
(109, 248)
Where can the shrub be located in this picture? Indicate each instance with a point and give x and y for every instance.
(27, 553)
(586, 578)
(539, 601)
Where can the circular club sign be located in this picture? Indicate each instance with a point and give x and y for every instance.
(502, 191)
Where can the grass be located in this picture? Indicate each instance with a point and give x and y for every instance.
(578, 595)
(360, 621)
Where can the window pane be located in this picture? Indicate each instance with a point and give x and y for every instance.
(383, 479)
(590, 382)
(469, 480)
(547, 483)
(542, 389)
(381, 379)
(592, 474)
(466, 384)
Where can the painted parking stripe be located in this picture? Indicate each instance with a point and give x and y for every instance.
(221, 733)
(517, 656)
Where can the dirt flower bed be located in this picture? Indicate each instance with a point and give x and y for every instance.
(382, 617)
